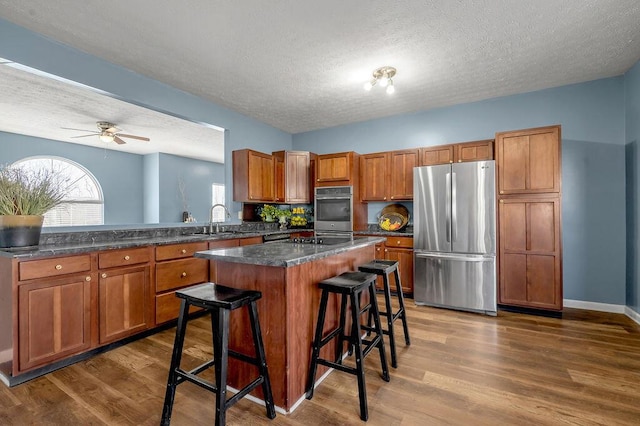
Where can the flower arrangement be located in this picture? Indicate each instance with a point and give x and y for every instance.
(270, 213)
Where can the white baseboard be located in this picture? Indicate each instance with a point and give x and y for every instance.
(6, 355)
(594, 306)
(632, 314)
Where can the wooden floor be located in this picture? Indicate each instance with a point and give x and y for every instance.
(461, 369)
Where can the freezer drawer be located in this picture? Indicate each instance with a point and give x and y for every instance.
(465, 282)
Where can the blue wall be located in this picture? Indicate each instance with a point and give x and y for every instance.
(632, 133)
(23, 46)
(593, 164)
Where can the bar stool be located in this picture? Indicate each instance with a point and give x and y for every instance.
(384, 268)
(219, 301)
(349, 285)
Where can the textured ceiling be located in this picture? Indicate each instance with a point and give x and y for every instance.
(300, 65)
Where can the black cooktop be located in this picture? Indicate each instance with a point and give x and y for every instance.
(325, 240)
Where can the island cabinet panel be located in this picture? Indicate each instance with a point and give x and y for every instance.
(54, 320)
(529, 161)
(213, 268)
(123, 295)
(253, 176)
(176, 268)
(288, 312)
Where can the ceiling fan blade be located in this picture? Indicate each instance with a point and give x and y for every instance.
(83, 136)
(119, 141)
(79, 130)
(112, 130)
(141, 138)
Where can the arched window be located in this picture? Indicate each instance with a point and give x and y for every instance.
(84, 205)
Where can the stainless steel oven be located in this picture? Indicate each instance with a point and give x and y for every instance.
(333, 209)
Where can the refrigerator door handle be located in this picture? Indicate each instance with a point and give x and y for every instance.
(461, 258)
(448, 208)
(454, 208)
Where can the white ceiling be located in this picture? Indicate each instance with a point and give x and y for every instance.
(300, 65)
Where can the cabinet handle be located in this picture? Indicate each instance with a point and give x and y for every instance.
(385, 250)
(384, 198)
(183, 251)
(58, 267)
(104, 275)
(87, 278)
(450, 161)
(459, 161)
(317, 180)
(184, 274)
(501, 201)
(127, 257)
(392, 197)
(502, 192)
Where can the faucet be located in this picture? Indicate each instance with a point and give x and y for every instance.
(211, 217)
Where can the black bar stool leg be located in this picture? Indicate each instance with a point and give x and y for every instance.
(175, 363)
(221, 345)
(355, 336)
(389, 315)
(378, 326)
(403, 315)
(316, 344)
(341, 336)
(262, 358)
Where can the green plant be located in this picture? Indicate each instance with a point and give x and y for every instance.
(30, 192)
(273, 211)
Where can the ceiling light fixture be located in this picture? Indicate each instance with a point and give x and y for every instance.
(106, 137)
(384, 76)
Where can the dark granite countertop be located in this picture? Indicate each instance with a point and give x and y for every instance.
(284, 254)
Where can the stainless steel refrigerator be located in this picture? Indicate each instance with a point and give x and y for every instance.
(454, 225)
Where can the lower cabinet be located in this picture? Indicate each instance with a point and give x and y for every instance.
(123, 296)
(399, 249)
(54, 319)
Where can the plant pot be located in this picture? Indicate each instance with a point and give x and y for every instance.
(20, 230)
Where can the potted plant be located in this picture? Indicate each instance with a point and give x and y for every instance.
(269, 213)
(25, 196)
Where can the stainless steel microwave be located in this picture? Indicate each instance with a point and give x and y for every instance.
(333, 207)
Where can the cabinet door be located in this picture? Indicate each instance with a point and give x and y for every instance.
(54, 319)
(331, 168)
(436, 155)
(261, 177)
(297, 177)
(405, 267)
(474, 151)
(279, 179)
(123, 300)
(529, 161)
(374, 176)
(401, 174)
(530, 253)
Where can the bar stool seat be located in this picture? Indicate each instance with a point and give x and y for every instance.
(349, 285)
(385, 268)
(219, 301)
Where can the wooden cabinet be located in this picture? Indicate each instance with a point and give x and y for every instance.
(123, 293)
(529, 161)
(399, 249)
(176, 268)
(54, 316)
(530, 256)
(336, 169)
(457, 153)
(388, 176)
(293, 177)
(529, 216)
(123, 307)
(253, 176)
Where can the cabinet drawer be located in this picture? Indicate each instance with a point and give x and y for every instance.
(124, 257)
(180, 273)
(405, 242)
(168, 307)
(179, 251)
(54, 267)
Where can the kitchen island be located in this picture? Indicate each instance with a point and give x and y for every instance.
(287, 275)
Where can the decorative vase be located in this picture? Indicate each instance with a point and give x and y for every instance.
(268, 218)
(20, 230)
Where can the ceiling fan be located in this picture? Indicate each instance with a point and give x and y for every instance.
(107, 132)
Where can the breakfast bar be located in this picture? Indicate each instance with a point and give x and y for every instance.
(287, 274)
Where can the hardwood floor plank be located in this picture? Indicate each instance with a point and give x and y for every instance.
(461, 368)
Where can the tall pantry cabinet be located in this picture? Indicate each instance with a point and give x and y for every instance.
(529, 215)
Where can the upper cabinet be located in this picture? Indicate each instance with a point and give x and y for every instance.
(253, 176)
(293, 177)
(529, 161)
(337, 169)
(388, 176)
(457, 153)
